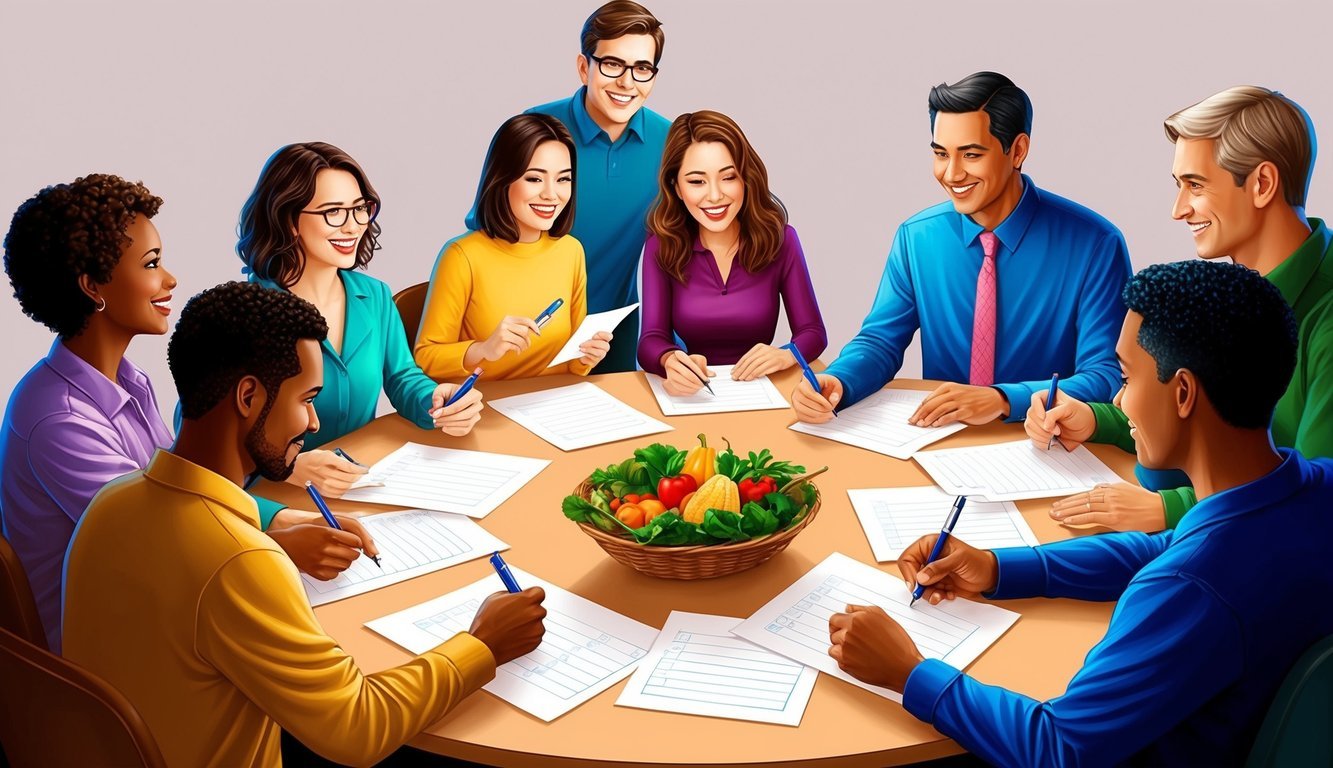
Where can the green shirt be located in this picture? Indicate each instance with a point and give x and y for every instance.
(1303, 418)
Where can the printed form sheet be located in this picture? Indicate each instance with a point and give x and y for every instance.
(587, 648)
(893, 518)
(471, 483)
(879, 423)
(756, 395)
(598, 321)
(795, 623)
(411, 542)
(699, 668)
(577, 416)
(1015, 470)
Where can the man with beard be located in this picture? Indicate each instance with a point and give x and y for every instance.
(176, 598)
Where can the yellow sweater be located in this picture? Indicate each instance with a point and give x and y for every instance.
(176, 598)
(478, 281)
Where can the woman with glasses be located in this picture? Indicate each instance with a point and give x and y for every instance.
(508, 294)
(308, 227)
(719, 257)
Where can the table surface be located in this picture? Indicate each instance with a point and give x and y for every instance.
(843, 725)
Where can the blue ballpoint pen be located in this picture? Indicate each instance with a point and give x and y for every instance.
(343, 454)
(546, 314)
(463, 390)
(1050, 403)
(949, 523)
(328, 516)
(805, 369)
(502, 568)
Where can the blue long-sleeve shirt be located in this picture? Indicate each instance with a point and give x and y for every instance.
(1059, 271)
(1211, 616)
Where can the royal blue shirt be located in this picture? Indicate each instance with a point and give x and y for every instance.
(1212, 615)
(614, 186)
(1059, 271)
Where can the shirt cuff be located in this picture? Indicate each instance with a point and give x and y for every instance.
(268, 509)
(926, 686)
(1019, 397)
(1176, 502)
(1020, 573)
(472, 659)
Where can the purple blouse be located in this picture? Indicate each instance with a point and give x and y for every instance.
(68, 430)
(722, 321)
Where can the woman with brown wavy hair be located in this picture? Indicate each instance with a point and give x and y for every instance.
(719, 256)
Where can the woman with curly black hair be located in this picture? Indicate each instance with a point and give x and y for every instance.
(86, 261)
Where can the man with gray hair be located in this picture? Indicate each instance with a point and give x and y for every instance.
(1243, 162)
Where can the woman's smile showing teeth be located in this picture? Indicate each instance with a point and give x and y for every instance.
(716, 214)
(163, 304)
(344, 246)
(544, 211)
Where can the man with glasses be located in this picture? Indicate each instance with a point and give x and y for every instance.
(619, 147)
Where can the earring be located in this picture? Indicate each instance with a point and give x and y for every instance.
(103, 304)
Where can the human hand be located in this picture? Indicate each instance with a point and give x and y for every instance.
(953, 402)
(511, 335)
(595, 349)
(330, 473)
(816, 407)
(1120, 507)
(961, 569)
(317, 549)
(684, 372)
(871, 647)
(1070, 421)
(510, 624)
(761, 360)
(457, 419)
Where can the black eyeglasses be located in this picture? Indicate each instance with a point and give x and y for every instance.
(614, 68)
(336, 217)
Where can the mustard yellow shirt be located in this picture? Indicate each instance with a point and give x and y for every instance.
(176, 598)
(478, 281)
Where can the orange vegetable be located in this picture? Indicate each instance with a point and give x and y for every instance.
(701, 462)
(651, 508)
(631, 515)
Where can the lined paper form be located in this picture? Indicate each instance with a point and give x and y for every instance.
(1015, 470)
(591, 325)
(471, 483)
(729, 395)
(795, 623)
(411, 543)
(879, 423)
(893, 518)
(586, 649)
(577, 416)
(698, 667)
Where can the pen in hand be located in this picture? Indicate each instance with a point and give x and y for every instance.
(545, 316)
(328, 516)
(502, 568)
(805, 370)
(463, 390)
(345, 455)
(702, 378)
(1050, 403)
(949, 523)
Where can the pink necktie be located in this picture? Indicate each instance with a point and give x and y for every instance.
(983, 322)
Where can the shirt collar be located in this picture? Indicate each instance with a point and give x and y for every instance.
(109, 396)
(1294, 273)
(1291, 475)
(586, 130)
(171, 470)
(1010, 231)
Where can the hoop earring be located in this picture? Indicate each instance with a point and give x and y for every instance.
(103, 305)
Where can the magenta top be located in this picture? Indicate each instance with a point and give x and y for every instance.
(722, 321)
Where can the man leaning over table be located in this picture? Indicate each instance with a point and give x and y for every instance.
(1243, 162)
(619, 148)
(1211, 615)
(175, 597)
(1007, 282)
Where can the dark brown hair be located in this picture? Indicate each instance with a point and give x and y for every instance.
(266, 240)
(617, 19)
(762, 217)
(511, 150)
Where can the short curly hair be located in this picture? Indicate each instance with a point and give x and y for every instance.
(1227, 325)
(234, 330)
(65, 231)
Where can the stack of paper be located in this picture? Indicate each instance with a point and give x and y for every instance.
(879, 423)
(577, 416)
(471, 483)
(727, 396)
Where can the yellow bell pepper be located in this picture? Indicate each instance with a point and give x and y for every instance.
(701, 462)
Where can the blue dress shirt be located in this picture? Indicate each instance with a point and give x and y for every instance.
(1059, 270)
(614, 186)
(1211, 617)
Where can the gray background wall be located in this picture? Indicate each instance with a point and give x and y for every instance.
(191, 98)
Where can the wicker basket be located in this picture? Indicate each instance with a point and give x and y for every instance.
(701, 561)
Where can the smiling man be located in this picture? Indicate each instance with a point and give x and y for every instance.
(1007, 283)
(1211, 615)
(175, 596)
(619, 148)
(1242, 165)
